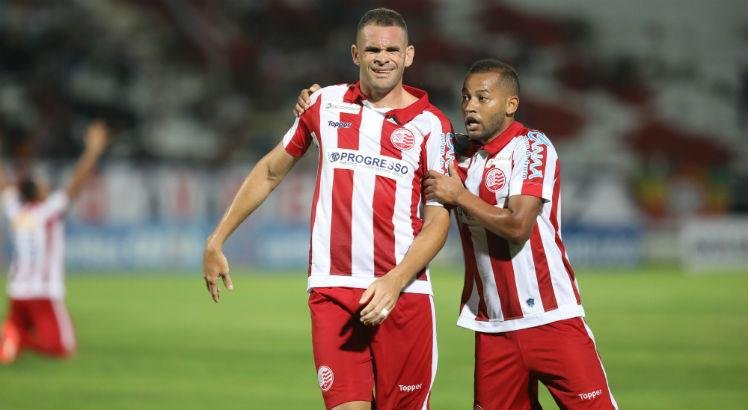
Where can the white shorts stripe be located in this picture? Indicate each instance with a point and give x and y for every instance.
(434, 354)
(610, 392)
(67, 333)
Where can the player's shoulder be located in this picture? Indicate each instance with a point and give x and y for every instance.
(324, 98)
(9, 189)
(438, 113)
(335, 92)
(437, 118)
(57, 198)
(535, 137)
(10, 194)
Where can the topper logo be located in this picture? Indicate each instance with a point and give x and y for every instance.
(590, 395)
(403, 139)
(409, 388)
(339, 124)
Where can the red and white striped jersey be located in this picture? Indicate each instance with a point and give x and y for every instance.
(367, 203)
(508, 286)
(37, 266)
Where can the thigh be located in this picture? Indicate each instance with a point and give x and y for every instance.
(564, 356)
(16, 313)
(502, 381)
(340, 344)
(52, 327)
(16, 324)
(19, 319)
(405, 355)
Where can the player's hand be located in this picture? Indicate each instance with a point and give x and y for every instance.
(97, 136)
(215, 265)
(446, 189)
(304, 100)
(380, 299)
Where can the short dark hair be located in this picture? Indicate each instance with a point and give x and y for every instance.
(509, 76)
(28, 189)
(382, 17)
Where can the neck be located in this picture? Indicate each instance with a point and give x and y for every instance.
(503, 128)
(394, 98)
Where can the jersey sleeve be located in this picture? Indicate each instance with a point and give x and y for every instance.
(439, 150)
(535, 164)
(56, 204)
(300, 135)
(11, 201)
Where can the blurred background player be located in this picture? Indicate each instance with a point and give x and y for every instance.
(37, 316)
(370, 238)
(520, 296)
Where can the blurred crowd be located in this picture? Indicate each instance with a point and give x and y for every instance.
(648, 112)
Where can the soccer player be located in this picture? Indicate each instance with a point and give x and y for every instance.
(521, 296)
(37, 316)
(372, 232)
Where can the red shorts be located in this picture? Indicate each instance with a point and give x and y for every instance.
(396, 359)
(42, 325)
(561, 355)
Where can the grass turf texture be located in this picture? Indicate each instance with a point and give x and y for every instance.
(668, 341)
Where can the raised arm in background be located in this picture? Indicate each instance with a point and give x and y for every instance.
(96, 140)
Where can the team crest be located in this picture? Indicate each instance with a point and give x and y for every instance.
(403, 139)
(325, 378)
(495, 180)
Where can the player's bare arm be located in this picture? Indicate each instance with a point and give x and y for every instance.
(514, 223)
(381, 296)
(304, 101)
(259, 183)
(96, 140)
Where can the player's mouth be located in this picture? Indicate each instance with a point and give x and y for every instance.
(382, 72)
(472, 124)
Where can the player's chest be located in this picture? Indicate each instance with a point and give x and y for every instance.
(369, 142)
(488, 176)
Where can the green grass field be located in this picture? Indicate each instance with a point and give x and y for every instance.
(668, 341)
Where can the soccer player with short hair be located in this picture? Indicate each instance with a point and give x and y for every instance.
(37, 317)
(372, 231)
(521, 296)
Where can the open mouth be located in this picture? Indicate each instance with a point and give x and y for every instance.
(471, 123)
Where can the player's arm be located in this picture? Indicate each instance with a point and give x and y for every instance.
(96, 138)
(383, 293)
(305, 99)
(515, 222)
(259, 183)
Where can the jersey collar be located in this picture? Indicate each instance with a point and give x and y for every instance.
(500, 141)
(400, 115)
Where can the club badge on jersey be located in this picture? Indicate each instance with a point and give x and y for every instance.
(403, 139)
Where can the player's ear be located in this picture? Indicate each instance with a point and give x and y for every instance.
(512, 104)
(410, 53)
(354, 55)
